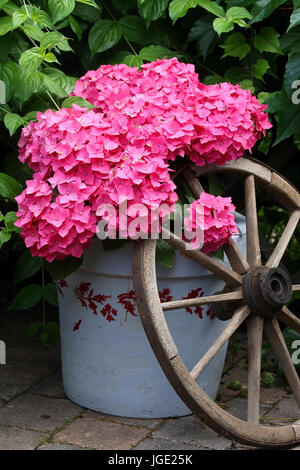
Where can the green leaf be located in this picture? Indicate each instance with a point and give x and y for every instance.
(9, 74)
(62, 84)
(33, 81)
(223, 25)
(5, 236)
(2, 3)
(59, 269)
(50, 333)
(294, 19)
(86, 13)
(133, 60)
(165, 253)
(31, 59)
(135, 30)
(260, 68)
(27, 297)
(288, 122)
(91, 3)
(204, 34)
(267, 378)
(60, 9)
(19, 17)
(30, 116)
(32, 329)
(5, 25)
(26, 266)
(235, 385)
(152, 53)
(50, 294)
(68, 102)
(212, 7)
(55, 39)
(9, 187)
(267, 40)
(276, 101)
(53, 86)
(179, 8)
(292, 72)
(75, 26)
(237, 13)
(12, 122)
(33, 31)
(263, 8)
(9, 8)
(104, 35)
(151, 10)
(49, 57)
(236, 46)
(41, 18)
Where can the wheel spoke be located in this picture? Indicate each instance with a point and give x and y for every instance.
(274, 335)
(289, 319)
(193, 182)
(231, 278)
(236, 258)
(255, 332)
(238, 317)
(285, 238)
(210, 299)
(253, 246)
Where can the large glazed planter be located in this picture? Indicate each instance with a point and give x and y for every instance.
(107, 362)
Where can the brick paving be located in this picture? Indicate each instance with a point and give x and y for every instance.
(35, 414)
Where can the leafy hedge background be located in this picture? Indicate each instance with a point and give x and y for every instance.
(46, 45)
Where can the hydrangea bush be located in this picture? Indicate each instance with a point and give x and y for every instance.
(121, 150)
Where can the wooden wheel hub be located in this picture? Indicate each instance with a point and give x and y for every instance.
(266, 290)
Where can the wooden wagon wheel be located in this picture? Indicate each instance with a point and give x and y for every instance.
(262, 291)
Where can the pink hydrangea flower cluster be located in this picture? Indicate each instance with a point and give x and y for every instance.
(213, 217)
(120, 150)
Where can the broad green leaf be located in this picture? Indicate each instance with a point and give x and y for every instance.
(86, 13)
(33, 31)
(247, 84)
(212, 7)
(91, 3)
(165, 253)
(152, 53)
(9, 8)
(68, 102)
(292, 72)
(9, 187)
(288, 122)
(276, 101)
(204, 34)
(30, 116)
(59, 269)
(62, 83)
(33, 81)
(236, 46)
(179, 8)
(290, 42)
(26, 266)
(54, 87)
(133, 60)
(32, 329)
(267, 40)
(41, 18)
(5, 236)
(238, 13)
(5, 25)
(124, 6)
(19, 17)
(263, 8)
(9, 74)
(27, 297)
(50, 294)
(10, 218)
(49, 57)
(31, 59)
(2, 3)
(151, 10)
(294, 19)
(135, 30)
(223, 25)
(104, 35)
(75, 26)
(55, 39)
(60, 9)
(50, 333)
(260, 68)
(12, 122)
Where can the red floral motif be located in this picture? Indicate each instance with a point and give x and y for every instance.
(165, 295)
(109, 313)
(77, 325)
(85, 295)
(60, 285)
(210, 314)
(198, 310)
(128, 300)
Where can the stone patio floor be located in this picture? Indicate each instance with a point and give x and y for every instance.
(35, 414)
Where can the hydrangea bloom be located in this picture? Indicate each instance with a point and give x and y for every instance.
(120, 150)
(214, 218)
